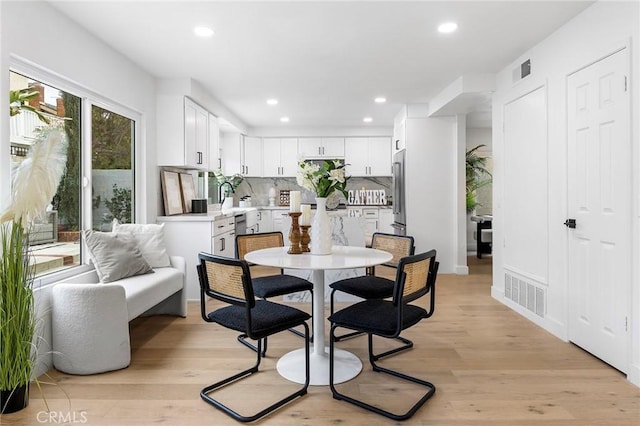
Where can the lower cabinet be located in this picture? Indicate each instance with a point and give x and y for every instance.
(265, 223)
(224, 237)
(187, 237)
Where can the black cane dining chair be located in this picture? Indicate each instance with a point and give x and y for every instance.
(371, 286)
(229, 280)
(272, 285)
(415, 277)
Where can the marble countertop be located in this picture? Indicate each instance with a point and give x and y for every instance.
(204, 217)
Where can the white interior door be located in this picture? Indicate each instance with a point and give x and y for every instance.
(599, 196)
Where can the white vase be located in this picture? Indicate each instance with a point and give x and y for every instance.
(321, 229)
(227, 203)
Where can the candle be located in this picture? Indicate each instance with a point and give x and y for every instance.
(294, 201)
(305, 218)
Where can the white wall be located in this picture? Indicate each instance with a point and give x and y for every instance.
(599, 30)
(432, 193)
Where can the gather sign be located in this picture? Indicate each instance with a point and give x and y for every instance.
(369, 197)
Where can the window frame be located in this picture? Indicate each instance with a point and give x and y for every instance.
(88, 99)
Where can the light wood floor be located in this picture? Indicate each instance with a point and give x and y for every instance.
(490, 366)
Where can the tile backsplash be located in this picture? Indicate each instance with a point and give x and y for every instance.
(258, 188)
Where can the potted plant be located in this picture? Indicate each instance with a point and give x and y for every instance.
(477, 176)
(34, 182)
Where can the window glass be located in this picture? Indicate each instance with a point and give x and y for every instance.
(54, 238)
(111, 168)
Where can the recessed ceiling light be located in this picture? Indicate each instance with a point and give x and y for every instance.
(203, 31)
(380, 100)
(367, 119)
(448, 27)
(284, 119)
(272, 101)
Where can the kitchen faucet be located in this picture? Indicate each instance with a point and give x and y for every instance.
(226, 182)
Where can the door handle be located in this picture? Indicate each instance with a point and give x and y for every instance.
(570, 223)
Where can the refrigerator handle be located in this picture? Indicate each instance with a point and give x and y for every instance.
(397, 193)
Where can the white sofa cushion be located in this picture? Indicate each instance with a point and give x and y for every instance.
(150, 240)
(115, 256)
(145, 291)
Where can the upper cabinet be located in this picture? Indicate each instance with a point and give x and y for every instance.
(241, 154)
(368, 156)
(183, 133)
(252, 156)
(398, 136)
(215, 161)
(280, 157)
(231, 153)
(321, 147)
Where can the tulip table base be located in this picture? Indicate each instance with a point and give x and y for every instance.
(346, 366)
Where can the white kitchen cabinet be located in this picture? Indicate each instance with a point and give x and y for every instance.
(231, 153)
(187, 239)
(385, 220)
(321, 147)
(368, 156)
(280, 157)
(265, 221)
(224, 237)
(215, 161)
(241, 154)
(252, 156)
(398, 136)
(278, 219)
(183, 133)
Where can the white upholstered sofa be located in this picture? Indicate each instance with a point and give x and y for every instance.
(90, 317)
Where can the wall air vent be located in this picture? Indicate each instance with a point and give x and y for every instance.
(522, 71)
(524, 293)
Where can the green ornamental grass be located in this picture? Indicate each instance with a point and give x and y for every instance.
(17, 319)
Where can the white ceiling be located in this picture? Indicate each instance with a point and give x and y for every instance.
(324, 61)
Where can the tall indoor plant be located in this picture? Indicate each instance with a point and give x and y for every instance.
(477, 176)
(34, 182)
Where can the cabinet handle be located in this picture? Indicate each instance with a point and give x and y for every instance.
(247, 172)
(221, 244)
(219, 162)
(397, 140)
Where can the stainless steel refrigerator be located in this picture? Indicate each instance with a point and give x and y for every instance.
(399, 203)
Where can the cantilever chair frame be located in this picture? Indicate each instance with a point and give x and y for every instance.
(400, 300)
(249, 302)
(242, 338)
(393, 263)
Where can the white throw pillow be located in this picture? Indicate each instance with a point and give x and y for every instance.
(115, 256)
(150, 239)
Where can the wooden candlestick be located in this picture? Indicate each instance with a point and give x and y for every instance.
(305, 239)
(294, 234)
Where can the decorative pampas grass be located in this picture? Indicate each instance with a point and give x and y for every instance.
(36, 178)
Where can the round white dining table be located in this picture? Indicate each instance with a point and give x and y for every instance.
(346, 365)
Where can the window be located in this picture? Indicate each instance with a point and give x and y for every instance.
(108, 136)
(111, 168)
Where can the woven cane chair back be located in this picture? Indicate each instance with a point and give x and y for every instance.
(225, 279)
(399, 246)
(251, 242)
(416, 272)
